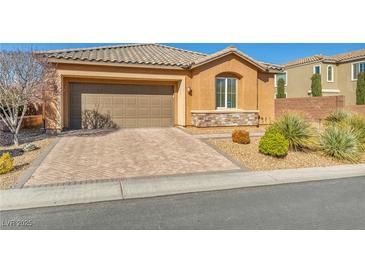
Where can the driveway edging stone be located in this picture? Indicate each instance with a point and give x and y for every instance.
(35, 164)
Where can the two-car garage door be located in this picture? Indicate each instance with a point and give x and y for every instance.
(127, 105)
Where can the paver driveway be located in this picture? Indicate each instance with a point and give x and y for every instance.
(127, 153)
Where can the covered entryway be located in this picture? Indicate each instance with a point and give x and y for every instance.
(128, 106)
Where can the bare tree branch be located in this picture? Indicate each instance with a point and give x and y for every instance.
(24, 79)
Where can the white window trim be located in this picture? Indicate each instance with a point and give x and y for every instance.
(225, 92)
(314, 69)
(352, 70)
(286, 78)
(326, 91)
(333, 74)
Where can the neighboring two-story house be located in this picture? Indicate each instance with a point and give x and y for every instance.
(339, 75)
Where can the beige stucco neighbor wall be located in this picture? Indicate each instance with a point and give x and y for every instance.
(345, 84)
(299, 81)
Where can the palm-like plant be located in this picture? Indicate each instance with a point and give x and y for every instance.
(340, 142)
(336, 116)
(297, 130)
(356, 124)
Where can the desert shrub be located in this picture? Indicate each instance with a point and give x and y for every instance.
(296, 129)
(30, 147)
(360, 89)
(273, 143)
(93, 119)
(340, 142)
(240, 136)
(336, 116)
(6, 163)
(356, 123)
(316, 86)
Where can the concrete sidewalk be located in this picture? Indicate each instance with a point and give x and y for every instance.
(167, 185)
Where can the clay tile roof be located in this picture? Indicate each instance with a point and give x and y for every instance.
(144, 54)
(147, 54)
(343, 57)
(305, 60)
(348, 55)
(230, 49)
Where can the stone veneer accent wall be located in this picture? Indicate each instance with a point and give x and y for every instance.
(219, 119)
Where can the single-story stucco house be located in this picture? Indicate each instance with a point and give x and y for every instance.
(152, 85)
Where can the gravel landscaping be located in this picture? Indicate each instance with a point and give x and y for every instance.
(249, 156)
(214, 130)
(21, 162)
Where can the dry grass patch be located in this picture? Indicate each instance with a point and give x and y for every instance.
(249, 156)
(21, 163)
(215, 130)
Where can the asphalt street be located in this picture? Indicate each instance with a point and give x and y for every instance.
(330, 204)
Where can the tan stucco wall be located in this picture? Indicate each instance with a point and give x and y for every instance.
(252, 86)
(266, 104)
(201, 80)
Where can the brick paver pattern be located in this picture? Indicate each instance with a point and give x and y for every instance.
(127, 153)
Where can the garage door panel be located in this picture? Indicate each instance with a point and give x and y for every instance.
(155, 112)
(130, 112)
(90, 99)
(144, 122)
(144, 100)
(130, 123)
(131, 100)
(127, 105)
(106, 100)
(165, 122)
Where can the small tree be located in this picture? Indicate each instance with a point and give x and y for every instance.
(360, 89)
(280, 89)
(23, 80)
(316, 86)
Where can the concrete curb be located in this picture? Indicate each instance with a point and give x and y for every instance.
(152, 187)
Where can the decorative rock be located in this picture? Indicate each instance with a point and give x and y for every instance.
(30, 147)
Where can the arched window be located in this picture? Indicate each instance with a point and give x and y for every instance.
(225, 92)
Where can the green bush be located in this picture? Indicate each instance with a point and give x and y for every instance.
(6, 163)
(280, 89)
(340, 142)
(336, 116)
(316, 86)
(297, 130)
(273, 143)
(360, 89)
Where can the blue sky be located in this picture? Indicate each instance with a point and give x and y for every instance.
(268, 52)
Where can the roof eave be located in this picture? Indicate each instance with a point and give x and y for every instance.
(351, 59)
(303, 64)
(113, 64)
(193, 66)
